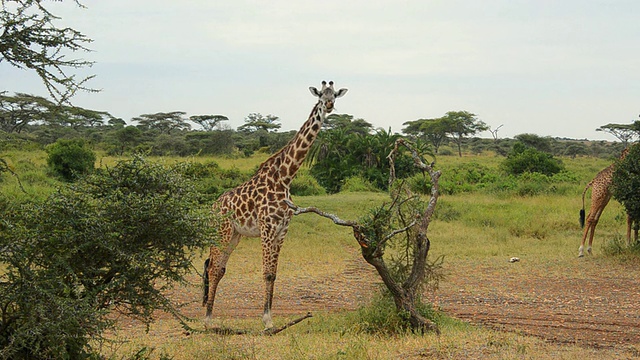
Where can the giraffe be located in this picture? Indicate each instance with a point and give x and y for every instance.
(257, 208)
(600, 196)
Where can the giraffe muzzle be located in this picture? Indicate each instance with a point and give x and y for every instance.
(329, 106)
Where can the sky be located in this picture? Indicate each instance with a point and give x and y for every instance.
(546, 67)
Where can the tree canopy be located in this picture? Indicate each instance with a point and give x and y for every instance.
(456, 125)
(256, 121)
(163, 122)
(626, 182)
(626, 133)
(30, 40)
(208, 122)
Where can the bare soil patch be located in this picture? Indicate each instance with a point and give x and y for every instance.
(597, 309)
(600, 310)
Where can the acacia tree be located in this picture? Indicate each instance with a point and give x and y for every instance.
(432, 130)
(208, 122)
(77, 117)
(461, 124)
(20, 110)
(30, 40)
(255, 122)
(347, 123)
(163, 122)
(407, 216)
(626, 133)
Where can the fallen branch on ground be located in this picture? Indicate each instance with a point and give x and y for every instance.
(269, 332)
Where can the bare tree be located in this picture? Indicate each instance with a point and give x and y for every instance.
(386, 223)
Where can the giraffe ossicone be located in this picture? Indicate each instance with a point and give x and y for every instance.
(258, 208)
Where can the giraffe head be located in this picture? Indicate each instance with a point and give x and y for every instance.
(327, 95)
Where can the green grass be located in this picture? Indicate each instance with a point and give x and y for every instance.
(472, 230)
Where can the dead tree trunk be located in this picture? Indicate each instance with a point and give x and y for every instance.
(405, 294)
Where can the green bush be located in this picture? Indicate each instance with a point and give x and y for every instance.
(523, 159)
(357, 184)
(382, 316)
(626, 182)
(113, 241)
(468, 177)
(70, 159)
(306, 185)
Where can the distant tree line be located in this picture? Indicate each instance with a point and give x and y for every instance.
(347, 148)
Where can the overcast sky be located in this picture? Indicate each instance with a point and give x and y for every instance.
(549, 67)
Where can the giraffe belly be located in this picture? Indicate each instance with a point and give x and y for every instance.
(248, 228)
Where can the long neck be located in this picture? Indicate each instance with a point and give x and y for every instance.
(289, 159)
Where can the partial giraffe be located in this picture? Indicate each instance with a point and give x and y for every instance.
(600, 196)
(257, 208)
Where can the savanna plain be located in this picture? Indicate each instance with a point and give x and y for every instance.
(548, 305)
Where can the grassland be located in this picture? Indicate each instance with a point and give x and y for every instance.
(321, 271)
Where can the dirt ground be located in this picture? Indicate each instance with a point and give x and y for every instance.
(600, 311)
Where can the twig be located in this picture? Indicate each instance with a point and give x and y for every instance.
(273, 331)
(397, 231)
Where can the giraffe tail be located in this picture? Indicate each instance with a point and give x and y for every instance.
(205, 282)
(582, 212)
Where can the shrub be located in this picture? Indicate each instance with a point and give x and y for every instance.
(113, 241)
(306, 185)
(523, 159)
(468, 177)
(626, 182)
(357, 184)
(70, 159)
(382, 316)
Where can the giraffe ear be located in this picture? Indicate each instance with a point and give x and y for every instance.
(314, 91)
(341, 92)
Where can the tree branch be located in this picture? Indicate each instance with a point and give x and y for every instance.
(336, 220)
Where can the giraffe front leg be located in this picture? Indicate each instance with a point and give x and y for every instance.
(268, 302)
(271, 252)
(215, 272)
(216, 268)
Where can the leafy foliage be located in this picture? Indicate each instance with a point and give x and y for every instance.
(626, 182)
(338, 155)
(114, 241)
(164, 123)
(523, 159)
(70, 159)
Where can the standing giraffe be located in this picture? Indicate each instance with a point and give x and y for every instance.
(600, 196)
(257, 208)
